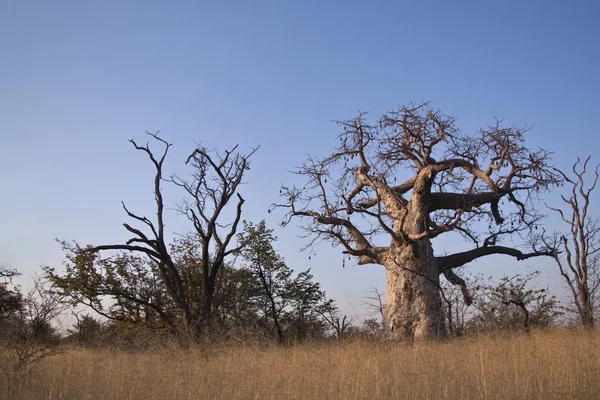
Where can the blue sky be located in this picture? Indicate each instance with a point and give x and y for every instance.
(80, 78)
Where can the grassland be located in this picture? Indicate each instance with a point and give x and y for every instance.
(543, 365)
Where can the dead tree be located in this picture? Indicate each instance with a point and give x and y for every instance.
(27, 335)
(413, 176)
(579, 262)
(215, 180)
(375, 302)
(339, 324)
(459, 300)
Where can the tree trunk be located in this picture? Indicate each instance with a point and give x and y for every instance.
(587, 319)
(413, 309)
(207, 298)
(586, 310)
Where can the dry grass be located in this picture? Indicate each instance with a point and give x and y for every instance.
(556, 365)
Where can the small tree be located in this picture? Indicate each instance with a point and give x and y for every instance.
(579, 263)
(295, 305)
(123, 287)
(307, 303)
(87, 331)
(238, 302)
(26, 332)
(10, 298)
(459, 301)
(375, 302)
(513, 305)
(270, 269)
(339, 324)
(372, 328)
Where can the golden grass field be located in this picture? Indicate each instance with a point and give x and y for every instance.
(543, 365)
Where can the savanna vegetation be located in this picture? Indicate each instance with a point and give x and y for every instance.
(215, 311)
(544, 365)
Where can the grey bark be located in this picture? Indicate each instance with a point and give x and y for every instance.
(453, 193)
(413, 308)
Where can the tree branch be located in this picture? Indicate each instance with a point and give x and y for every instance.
(459, 259)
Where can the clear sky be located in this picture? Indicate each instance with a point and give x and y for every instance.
(80, 78)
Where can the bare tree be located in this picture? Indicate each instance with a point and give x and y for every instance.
(375, 302)
(215, 180)
(339, 324)
(513, 304)
(26, 332)
(579, 264)
(458, 301)
(457, 184)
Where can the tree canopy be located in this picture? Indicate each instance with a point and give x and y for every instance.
(414, 176)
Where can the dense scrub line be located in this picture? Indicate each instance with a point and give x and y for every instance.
(543, 365)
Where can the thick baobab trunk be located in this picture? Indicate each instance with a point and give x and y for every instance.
(413, 309)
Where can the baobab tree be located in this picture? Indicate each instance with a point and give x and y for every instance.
(481, 186)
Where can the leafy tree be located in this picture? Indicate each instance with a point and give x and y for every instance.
(122, 287)
(237, 301)
(10, 299)
(270, 269)
(372, 328)
(87, 331)
(513, 305)
(479, 186)
(307, 303)
(294, 304)
(255, 297)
